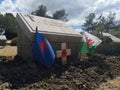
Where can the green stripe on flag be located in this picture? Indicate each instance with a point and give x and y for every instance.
(84, 48)
(92, 49)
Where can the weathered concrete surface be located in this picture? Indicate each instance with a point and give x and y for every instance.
(55, 31)
(115, 39)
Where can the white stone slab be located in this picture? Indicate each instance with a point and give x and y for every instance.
(46, 25)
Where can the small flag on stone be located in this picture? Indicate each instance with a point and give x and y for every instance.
(90, 42)
(43, 51)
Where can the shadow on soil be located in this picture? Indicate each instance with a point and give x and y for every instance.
(20, 74)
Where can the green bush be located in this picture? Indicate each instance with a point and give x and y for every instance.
(106, 40)
(110, 48)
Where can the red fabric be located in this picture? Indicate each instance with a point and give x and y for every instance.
(64, 53)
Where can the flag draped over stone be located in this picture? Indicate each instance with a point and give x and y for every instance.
(90, 42)
(42, 51)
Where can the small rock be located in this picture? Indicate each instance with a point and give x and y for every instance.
(66, 72)
(63, 77)
(5, 85)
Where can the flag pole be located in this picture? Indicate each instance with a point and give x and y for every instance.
(36, 29)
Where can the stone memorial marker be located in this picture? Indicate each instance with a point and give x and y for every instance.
(55, 31)
(63, 53)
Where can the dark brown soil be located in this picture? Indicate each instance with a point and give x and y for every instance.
(87, 75)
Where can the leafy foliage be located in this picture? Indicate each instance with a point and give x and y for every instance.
(9, 24)
(89, 23)
(101, 24)
(115, 32)
(41, 11)
(108, 47)
(59, 14)
(106, 40)
(110, 21)
(111, 48)
(1, 21)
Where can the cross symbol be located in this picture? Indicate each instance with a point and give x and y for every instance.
(43, 45)
(63, 53)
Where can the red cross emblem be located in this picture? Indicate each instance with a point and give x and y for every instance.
(43, 45)
(64, 53)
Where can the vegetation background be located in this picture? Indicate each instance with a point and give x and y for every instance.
(93, 24)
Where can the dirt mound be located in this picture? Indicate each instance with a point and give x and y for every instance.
(87, 75)
(111, 85)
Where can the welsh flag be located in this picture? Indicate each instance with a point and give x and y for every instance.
(90, 42)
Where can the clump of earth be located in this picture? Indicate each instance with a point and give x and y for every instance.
(85, 75)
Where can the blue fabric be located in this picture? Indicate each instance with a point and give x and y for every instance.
(43, 51)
